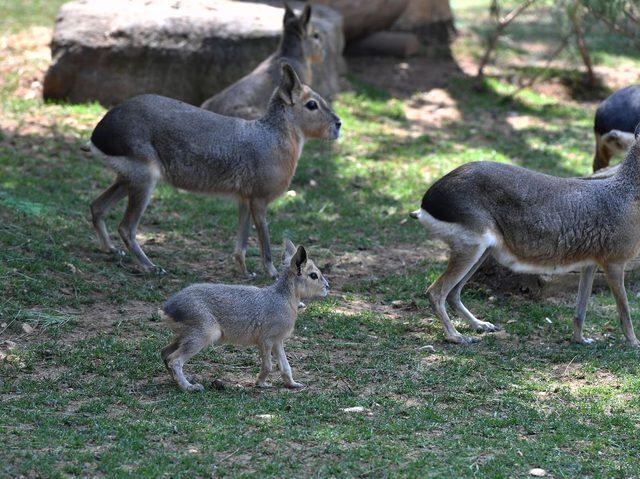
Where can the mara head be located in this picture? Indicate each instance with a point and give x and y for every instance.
(301, 27)
(618, 141)
(305, 108)
(307, 278)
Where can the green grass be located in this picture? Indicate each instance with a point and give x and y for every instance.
(86, 394)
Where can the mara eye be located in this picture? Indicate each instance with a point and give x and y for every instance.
(311, 105)
(316, 36)
(313, 276)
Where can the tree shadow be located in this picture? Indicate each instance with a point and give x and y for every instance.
(485, 116)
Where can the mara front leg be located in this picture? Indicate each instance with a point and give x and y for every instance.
(283, 365)
(259, 213)
(244, 223)
(615, 277)
(584, 291)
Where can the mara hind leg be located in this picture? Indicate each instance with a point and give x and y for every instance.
(615, 277)
(99, 209)
(189, 344)
(139, 196)
(584, 291)
(456, 303)
(266, 365)
(463, 258)
(168, 349)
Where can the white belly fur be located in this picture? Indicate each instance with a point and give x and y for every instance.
(458, 235)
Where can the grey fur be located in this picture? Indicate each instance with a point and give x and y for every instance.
(150, 137)
(204, 314)
(300, 46)
(534, 222)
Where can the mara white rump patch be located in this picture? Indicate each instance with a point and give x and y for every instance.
(458, 236)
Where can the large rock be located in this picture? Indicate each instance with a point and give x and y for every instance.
(432, 20)
(362, 17)
(188, 49)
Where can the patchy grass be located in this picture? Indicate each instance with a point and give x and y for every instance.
(531, 39)
(85, 393)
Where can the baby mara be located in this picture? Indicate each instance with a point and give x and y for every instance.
(204, 314)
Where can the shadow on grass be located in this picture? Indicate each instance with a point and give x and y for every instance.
(485, 122)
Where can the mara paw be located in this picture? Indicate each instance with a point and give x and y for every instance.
(294, 385)
(460, 339)
(582, 340)
(197, 387)
(272, 272)
(263, 385)
(485, 327)
(155, 271)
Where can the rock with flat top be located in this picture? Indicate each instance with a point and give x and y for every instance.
(394, 44)
(363, 17)
(108, 51)
(431, 20)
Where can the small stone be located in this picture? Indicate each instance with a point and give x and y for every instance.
(357, 410)
(26, 328)
(492, 298)
(218, 384)
(72, 268)
(313, 183)
(292, 194)
(8, 345)
(537, 472)
(265, 417)
(548, 320)
(2, 356)
(428, 348)
(3, 325)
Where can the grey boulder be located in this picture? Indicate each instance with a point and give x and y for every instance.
(188, 49)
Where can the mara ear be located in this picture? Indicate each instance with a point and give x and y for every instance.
(289, 249)
(298, 261)
(288, 13)
(289, 84)
(305, 16)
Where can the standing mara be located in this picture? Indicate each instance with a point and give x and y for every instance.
(532, 222)
(150, 137)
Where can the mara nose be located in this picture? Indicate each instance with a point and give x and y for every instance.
(338, 124)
